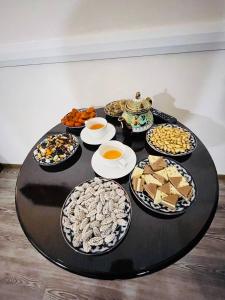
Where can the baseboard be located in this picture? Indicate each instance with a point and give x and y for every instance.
(2, 166)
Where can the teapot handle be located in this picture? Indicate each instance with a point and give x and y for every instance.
(124, 125)
(149, 100)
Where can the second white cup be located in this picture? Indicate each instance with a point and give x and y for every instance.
(112, 153)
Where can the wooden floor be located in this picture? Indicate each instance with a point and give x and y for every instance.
(25, 274)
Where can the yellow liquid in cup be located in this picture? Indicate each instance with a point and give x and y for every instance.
(112, 154)
(96, 126)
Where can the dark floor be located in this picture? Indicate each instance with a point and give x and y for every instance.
(25, 274)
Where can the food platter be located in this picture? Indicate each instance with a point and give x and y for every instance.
(73, 116)
(161, 145)
(55, 149)
(96, 216)
(115, 108)
(182, 204)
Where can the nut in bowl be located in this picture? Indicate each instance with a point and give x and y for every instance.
(112, 154)
(171, 139)
(55, 149)
(96, 127)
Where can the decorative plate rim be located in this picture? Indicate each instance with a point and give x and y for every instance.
(158, 211)
(58, 162)
(148, 133)
(108, 114)
(118, 241)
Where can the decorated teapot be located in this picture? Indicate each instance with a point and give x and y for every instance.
(137, 115)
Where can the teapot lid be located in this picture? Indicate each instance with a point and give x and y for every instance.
(138, 105)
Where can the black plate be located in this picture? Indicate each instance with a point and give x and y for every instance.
(182, 204)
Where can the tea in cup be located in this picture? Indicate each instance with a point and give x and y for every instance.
(96, 126)
(112, 153)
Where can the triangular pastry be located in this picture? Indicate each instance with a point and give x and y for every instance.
(159, 178)
(150, 179)
(172, 172)
(151, 189)
(175, 180)
(159, 164)
(162, 173)
(165, 188)
(148, 170)
(170, 201)
(174, 191)
(183, 182)
(137, 172)
(138, 184)
(153, 158)
(159, 196)
(186, 191)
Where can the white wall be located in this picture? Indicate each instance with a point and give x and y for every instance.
(27, 20)
(190, 86)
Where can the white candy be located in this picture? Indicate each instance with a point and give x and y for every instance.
(107, 221)
(96, 231)
(109, 238)
(99, 207)
(96, 241)
(86, 247)
(121, 222)
(120, 192)
(94, 212)
(99, 217)
(87, 234)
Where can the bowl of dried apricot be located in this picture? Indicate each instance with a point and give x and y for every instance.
(76, 118)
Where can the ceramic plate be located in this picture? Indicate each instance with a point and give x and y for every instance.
(111, 104)
(89, 139)
(67, 219)
(193, 141)
(116, 172)
(182, 204)
(74, 144)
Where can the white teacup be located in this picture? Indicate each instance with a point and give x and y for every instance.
(113, 147)
(96, 132)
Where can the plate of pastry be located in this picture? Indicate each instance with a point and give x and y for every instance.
(171, 139)
(96, 216)
(55, 149)
(162, 185)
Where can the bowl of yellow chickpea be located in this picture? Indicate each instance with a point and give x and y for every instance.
(171, 139)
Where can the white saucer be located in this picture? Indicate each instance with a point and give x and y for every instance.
(88, 138)
(114, 172)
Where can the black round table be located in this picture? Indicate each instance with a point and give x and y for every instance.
(151, 243)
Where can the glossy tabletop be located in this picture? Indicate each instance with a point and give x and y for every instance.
(151, 243)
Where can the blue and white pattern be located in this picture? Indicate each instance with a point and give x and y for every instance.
(193, 141)
(115, 231)
(182, 204)
(67, 149)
